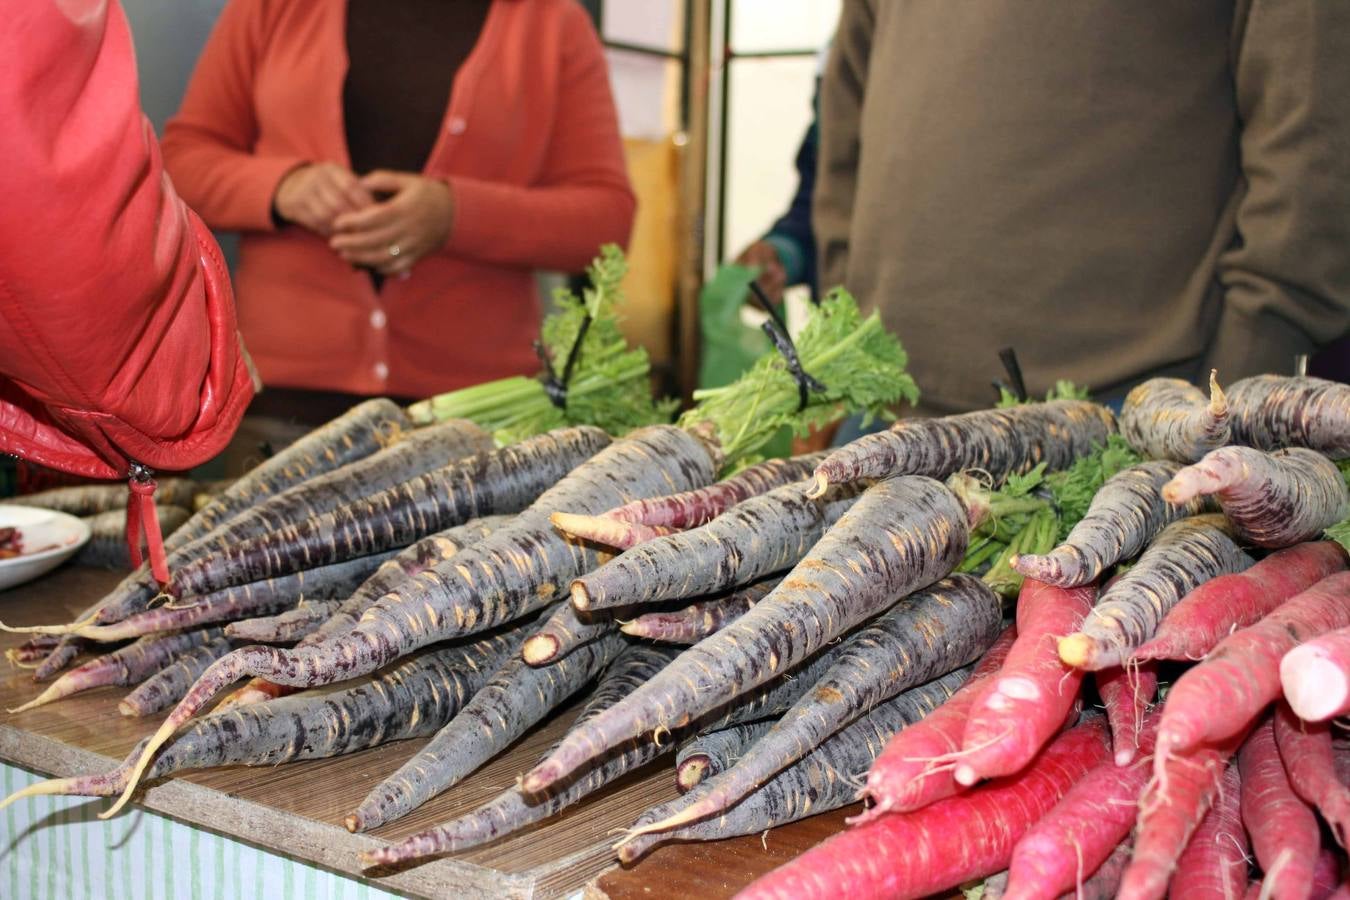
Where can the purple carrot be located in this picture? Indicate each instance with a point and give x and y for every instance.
(129, 665)
(1168, 418)
(410, 700)
(511, 810)
(903, 534)
(1272, 411)
(608, 532)
(62, 655)
(516, 697)
(690, 509)
(32, 651)
(826, 778)
(497, 481)
(258, 598)
(711, 753)
(763, 535)
(692, 623)
(91, 500)
(1184, 556)
(997, 441)
(167, 686)
(504, 577)
(411, 560)
(563, 631)
(1124, 516)
(1273, 499)
(926, 635)
(282, 628)
(107, 544)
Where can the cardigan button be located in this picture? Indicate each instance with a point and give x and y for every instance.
(381, 371)
(457, 125)
(378, 319)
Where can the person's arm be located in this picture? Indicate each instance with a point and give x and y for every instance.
(117, 332)
(1287, 282)
(841, 99)
(583, 198)
(208, 144)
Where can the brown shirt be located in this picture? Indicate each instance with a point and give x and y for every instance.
(1113, 189)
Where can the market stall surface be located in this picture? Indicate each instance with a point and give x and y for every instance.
(297, 809)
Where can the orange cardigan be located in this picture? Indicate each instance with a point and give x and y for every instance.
(529, 145)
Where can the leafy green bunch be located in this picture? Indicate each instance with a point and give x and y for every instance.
(860, 364)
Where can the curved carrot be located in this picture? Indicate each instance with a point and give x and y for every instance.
(1272, 499)
(1124, 516)
(1168, 418)
(1214, 864)
(1127, 693)
(1273, 411)
(1185, 555)
(1215, 609)
(691, 624)
(167, 686)
(1310, 764)
(285, 627)
(1283, 829)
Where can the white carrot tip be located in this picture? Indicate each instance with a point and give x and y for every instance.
(1218, 401)
(166, 730)
(819, 485)
(42, 788)
(1313, 684)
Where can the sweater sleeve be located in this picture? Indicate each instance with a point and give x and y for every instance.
(581, 199)
(209, 143)
(841, 100)
(117, 330)
(1287, 281)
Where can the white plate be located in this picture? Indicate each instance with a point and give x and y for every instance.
(39, 528)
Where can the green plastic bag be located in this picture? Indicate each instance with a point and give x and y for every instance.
(729, 346)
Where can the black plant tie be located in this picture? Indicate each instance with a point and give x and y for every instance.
(556, 387)
(778, 335)
(1010, 365)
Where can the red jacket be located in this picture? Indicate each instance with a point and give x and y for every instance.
(117, 331)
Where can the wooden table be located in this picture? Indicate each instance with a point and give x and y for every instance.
(297, 808)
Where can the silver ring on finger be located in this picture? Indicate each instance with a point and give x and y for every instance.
(395, 250)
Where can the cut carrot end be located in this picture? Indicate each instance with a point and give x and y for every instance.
(690, 774)
(127, 709)
(540, 650)
(1314, 685)
(1076, 650)
(352, 824)
(581, 598)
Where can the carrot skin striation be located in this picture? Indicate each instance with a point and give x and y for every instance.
(691, 624)
(497, 481)
(1176, 801)
(1282, 827)
(1310, 766)
(1185, 555)
(765, 534)
(128, 665)
(1081, 832)
(504, 577)
(1215, 609)
(62, 655)
(512, 810)
(285, 627)
(915, 854)
(257, 598)
(514, 698)
(1273, 411)
(820, 781)
(1214, 864)
(1019, 710)
(1226, 693)
(1124, 516)
(1127, 692)
(924, 636)
(998, 441)
(1315, 676)
(690, 509)
(167, 686)
(711, 753)
(409, 700)
(1273, 499)
(93, 500)
(608, 532)
(906, 777)
(871, 557)
(1169, 418)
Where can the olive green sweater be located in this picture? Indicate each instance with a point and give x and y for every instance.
(1115, 189)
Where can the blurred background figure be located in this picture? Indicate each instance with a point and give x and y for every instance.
(397, 172)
